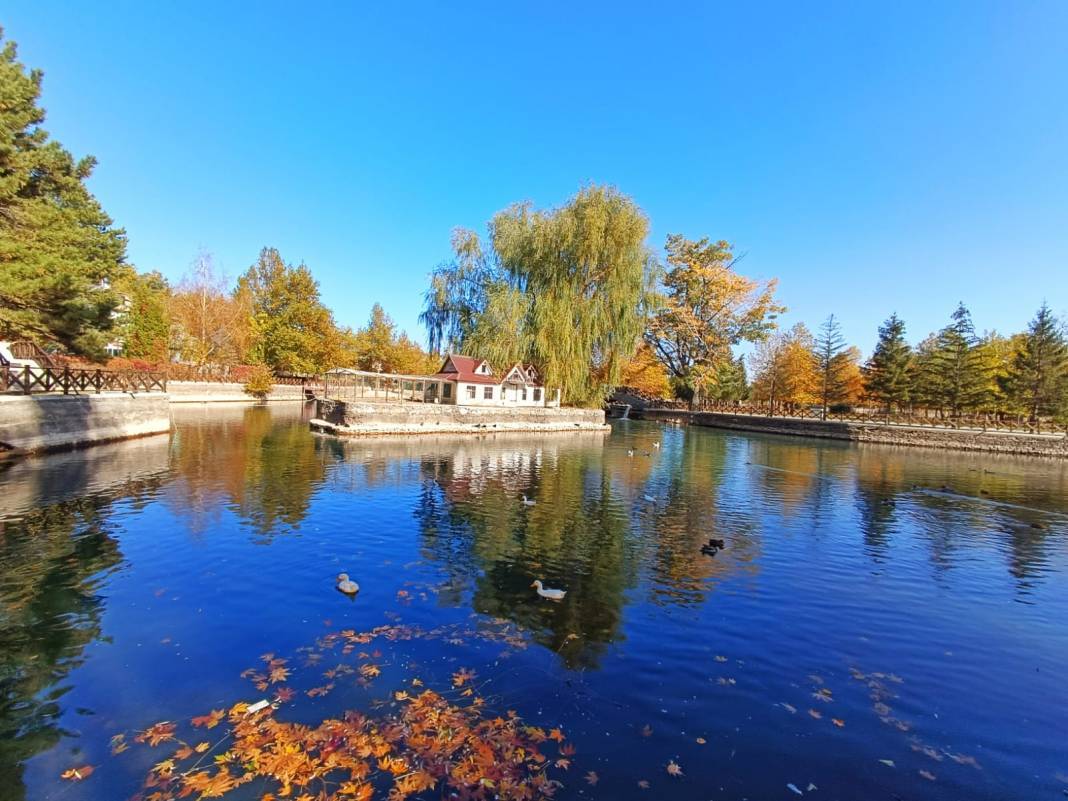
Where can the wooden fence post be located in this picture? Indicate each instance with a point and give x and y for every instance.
(26, 379)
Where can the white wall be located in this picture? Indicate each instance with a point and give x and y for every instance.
(511, 396)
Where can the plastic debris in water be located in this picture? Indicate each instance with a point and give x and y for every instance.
(256, 707)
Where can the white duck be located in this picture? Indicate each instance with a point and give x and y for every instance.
(528, 501)
(552, 595)
(347, 586)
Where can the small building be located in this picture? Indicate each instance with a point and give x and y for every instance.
(468, 381)
(461, 381)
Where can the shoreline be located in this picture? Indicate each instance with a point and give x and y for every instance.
(1053, 446)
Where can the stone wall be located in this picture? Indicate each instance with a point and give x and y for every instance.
(54, 422)
(218, 392)
(993, 442)
(339, 417)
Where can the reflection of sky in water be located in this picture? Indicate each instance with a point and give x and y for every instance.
(916, 597)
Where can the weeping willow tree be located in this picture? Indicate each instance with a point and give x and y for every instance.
(564, 289)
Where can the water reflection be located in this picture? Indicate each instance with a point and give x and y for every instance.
(229, 532)
(256, 461)
(58, 545)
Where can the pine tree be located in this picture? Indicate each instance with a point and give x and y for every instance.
(888, 375)
(145, 323)
(829, 343)
(58, 249)
(1038, 377)
(959, 377)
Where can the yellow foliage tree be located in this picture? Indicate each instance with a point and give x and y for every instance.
(646, 374)
(786, 370)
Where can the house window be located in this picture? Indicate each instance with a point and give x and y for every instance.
(446, 390)
(537, 394)
(487, 393)
(470, 392)
(523, 393)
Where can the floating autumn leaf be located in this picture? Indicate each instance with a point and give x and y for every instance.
(701, 741)
(647, 730)
(157, 733)
(211, 720)
(567, 749)
(200, 748)
(643, 784)
(592, 778)
(77, 774)
(563, 764)
(284, 694)
(815, 713)
(720, 658)
(556, 734)
(370, 670)
(462, 676)
(118, 744)
(279, 674)
(674, 769)
(927, 775)
(838, 722)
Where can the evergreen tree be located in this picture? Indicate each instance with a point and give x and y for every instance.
(145, 320)
(829, 343)
(958, 377)
(926, 387)
(731, 382)
(888, 375)
(1038, 376)
(58, 249)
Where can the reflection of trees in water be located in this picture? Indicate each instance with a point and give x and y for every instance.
(958, 501)
(51, 564)
(581, 535)
(265, 470)
(686, 514)
(474, 523)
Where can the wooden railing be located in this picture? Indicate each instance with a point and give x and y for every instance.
(75, 381)
(924, 418)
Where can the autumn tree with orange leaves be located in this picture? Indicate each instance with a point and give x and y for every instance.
(706, 308)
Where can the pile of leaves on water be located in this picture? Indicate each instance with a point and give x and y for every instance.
(423, 743)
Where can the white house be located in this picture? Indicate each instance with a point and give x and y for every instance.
(467, 381)
(461, 381)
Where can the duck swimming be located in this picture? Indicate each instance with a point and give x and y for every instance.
(552, 595)
(345, 585)
(528, 501)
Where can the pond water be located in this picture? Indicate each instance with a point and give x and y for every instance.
(880, 624)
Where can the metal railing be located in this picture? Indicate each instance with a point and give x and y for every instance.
(920, 418)
(75, 381)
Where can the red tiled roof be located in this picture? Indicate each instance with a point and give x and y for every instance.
(464, 370)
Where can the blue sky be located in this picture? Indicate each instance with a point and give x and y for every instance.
(874, 157)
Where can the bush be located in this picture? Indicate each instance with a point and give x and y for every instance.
(259, 381)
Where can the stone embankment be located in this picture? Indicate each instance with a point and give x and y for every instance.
(35, 423)
(355, 419)
(218, 392)
(918, 436)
